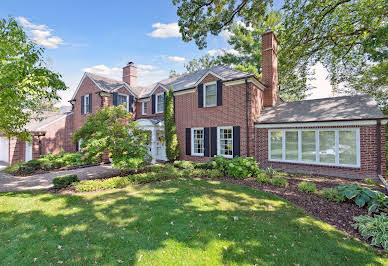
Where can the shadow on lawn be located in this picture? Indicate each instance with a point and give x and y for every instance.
(192, 218)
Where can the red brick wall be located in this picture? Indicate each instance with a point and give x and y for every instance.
(368, 160)
(232, 112)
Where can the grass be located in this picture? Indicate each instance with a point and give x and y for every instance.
(184, 221)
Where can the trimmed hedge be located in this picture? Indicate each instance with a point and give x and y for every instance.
(64, 181)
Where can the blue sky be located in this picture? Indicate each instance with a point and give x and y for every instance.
(101, 37)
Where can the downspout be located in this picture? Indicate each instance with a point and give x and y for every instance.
(247, 114)
(378, 145)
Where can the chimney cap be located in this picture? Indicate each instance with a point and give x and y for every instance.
(130, 63)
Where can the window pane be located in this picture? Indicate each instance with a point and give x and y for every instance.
(226, 142)
(308, 146)
(327, 146)
(198, 141)
(160, 103)
(347, 147)
(122, 100)
(292, 145)
(276, 145)
(211, 95)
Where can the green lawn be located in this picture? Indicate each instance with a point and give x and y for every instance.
(184, 222)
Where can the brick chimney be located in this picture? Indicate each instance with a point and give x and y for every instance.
(130, 74)
(270, 67)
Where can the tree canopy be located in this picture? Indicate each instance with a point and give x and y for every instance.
(348, 37)
(27, 86)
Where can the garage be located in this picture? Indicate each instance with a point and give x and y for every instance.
(4, 149)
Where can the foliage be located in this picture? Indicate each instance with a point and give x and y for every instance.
(375, 228)
(378, 203)
(206, 165)
(307, 187)
(112, 129)
(270, 171)
(200, 63)
(237, 168)
(172, 144)
(184, 165)
(348, 37)
(207, 173)
(262, 177)
(26, 83)
(279, 181)
(64, 181)
(371, 182)
(219, 163)
(13, 168)
(360, 195)
(332, 194)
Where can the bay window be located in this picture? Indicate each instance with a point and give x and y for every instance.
(338, 147)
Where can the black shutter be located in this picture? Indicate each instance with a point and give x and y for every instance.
(213, 132)
(200, 95)
(82, 104)
(206, 142)
(115, 98)
(153, 103)
(188, 141)
(131, 103)
(90, 103)
(236, 141)
(219, 92)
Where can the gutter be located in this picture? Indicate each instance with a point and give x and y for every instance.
(247, 114)
(319, 121)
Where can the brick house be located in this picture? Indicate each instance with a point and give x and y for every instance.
(221, 111)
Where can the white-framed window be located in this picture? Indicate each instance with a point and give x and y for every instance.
(197, 142)
(334, 147)
(159, 102)
(210, 94)
(123, 99)
(87, 104)
(225, 141)
(144, 108)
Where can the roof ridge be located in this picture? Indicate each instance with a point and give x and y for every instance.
(102, 76)
(326, 98)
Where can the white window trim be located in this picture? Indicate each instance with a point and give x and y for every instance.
(317, 162)
(156, 103)
(192, 141)
(204, 94)
(86, 103)
(219, 143)
(127, 96)
(142, 108)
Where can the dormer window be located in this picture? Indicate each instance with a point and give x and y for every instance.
(210, 94)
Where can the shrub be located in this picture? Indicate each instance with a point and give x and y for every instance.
(102, 184)
(184, 164)
(207, 165)
(279, 181)
(373, 227)
(13, 168)
(360, 195)
(209, 173)
(237, 168)
(332, 194)
(219, 163)
(262, 177)
(371, 182)
(64, 181)
(378, 203)
(172, 144)
(307, 187)
(270, 171)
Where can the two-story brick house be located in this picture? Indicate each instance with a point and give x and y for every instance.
(222, 111)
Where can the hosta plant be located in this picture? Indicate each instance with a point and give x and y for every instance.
(375, 228)
(379, 203)
(360, 195)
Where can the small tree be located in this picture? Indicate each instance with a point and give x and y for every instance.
(172, 145)
(111, 129)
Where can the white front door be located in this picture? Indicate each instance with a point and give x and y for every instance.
(28, 151)
(4, 150)
(160, 146)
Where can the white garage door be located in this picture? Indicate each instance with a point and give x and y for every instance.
(4, 149)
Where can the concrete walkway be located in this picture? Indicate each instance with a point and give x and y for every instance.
(41, 181)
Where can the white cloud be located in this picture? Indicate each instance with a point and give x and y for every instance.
(212, 52)
(147, 67)
(223, 51)
(176, 59)
(165, 30)
(225, 34)
(41, 34)
(114, 72)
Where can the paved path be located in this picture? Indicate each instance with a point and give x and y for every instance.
(41, 181)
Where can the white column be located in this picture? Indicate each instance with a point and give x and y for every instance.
(153, 145)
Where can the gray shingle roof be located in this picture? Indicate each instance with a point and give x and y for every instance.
(327, 109)
(178, 83)
(48, 117)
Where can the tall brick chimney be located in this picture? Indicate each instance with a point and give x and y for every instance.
(130, 74)
(270, 67)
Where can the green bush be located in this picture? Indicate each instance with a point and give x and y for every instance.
(332, 194)
(209, 173)
(207, 165)
(13, 168)
(378, 203)
(262, 177)
(279, 181)
(270, 171)
(360, 195)
(375, 228)
(64, 181)
(184, 164)
(307, 187)
(237, 168)
(371, 182)
(219, 163)
(102, 184)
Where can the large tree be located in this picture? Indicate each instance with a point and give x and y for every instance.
(26, 83)
(349, 37)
